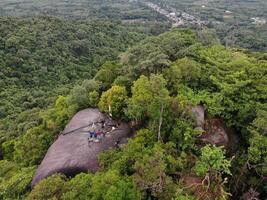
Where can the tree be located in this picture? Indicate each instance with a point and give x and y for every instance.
(149, 98)
(91, 85)
(14, 180)
(257, 151)
(160, 99)
(113, 101)
(212, 159)
(93, 99)
(52, 187)
(140, 100)
(79, 187)
(60, 114)
(112, 186)
(183, 71)
(145, 59)
(78, 96)
(123, 81)
(183, 135)
(155, 54)
(29, 150)
(107, 74)
(150, 175)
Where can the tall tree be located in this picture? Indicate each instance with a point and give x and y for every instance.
(113, 101)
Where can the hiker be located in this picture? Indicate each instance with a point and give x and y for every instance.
(94, 133)
(99, 134)
(91, 135)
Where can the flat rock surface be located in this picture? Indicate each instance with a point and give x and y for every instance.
(72, 153)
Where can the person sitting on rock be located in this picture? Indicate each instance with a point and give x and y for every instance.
(99, 134)
(94, 134)
(91, 135)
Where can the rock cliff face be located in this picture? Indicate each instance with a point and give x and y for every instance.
(72, 153)
(214, 131)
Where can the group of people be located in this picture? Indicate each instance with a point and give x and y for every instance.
(95, 134)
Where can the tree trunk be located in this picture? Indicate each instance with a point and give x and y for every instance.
(160, 121)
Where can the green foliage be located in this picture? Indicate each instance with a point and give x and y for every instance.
(106, 185)
(29, 150)
(181, 196)
(113, 101)
(155, 54)
(183, 71)
(8, 149)
(91, 85)
(257, 151)
(60, 114)
(78, 96)
(134, 150)
(42, 58)
(56, 53)
(93, 99)
(107, 74)
(156, 83)
(123, 81)
(149, 97)
(150, 175)
(140, 100)
(160, 95)
(212, 159)
(183, 135)
(111, 185)
(79, 187)
(14, 181)
(52, 187)
(84, 95)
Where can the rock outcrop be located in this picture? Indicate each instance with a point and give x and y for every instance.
(214, 131)
(72, 153)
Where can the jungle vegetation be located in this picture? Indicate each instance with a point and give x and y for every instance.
(52, 67)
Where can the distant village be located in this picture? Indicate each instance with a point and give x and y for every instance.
(178, 18)
(258, 21)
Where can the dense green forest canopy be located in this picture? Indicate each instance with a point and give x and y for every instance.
(44, 57)
(161, 77)
(106, 54)
(238, 23)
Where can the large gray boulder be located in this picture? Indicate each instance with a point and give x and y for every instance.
(71, 153)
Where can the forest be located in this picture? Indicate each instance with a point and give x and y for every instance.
(240, 23)
(237, 23)
(151, 76)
